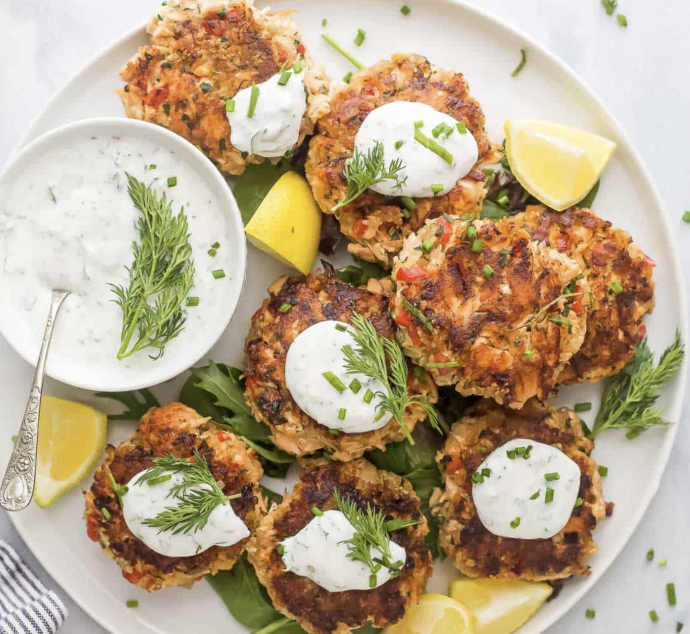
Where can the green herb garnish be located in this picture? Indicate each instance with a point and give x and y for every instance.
(350, 58)
(521, 65)
(418, 314)
(359, 38)
(432, 145)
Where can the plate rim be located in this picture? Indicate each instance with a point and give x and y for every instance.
(680, 380)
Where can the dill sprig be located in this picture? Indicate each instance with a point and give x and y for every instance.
(198, 494)
(363, 171)
(372, 531)
(382, 359)
(629, 397)
(162, 273)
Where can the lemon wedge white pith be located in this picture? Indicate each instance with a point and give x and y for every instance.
(555, 163)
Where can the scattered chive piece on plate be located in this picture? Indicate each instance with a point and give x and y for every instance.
(650, 554)
(670, 593)
(218, 273)
(548, 497)
(316, 511)
(521, 65)
(324, 22)
(280, 549)
(355, 386)
(132, 603)
(534, 496)
(679, 626)
(622, 20)
(172, 181)
(686, 217)
(334, 381)
(582, 407)
(253, 99)
(603, 471)
(579, 502)
(515, 523)
(297, 67)
(663, 562)
(347, 77)
(359, 38)
(334, 432)
(192, 301)
(212, 252)
(284, 78)
(589, 613)
(398, 144)
(405, 10)
(653, 616)
(229, 105)
(350, 58)
(341, 413)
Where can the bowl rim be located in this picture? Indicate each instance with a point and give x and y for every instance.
(197, 162)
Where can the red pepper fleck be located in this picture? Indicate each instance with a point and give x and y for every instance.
(445, 225)
(300, 49)
(133, 577)
(359, 228)
(157, 96)
(576, 304)
(410, 274)
(455, 465)
(214, 27)
(93, 524)
(463, 268)
(223, 436)
(404, 319)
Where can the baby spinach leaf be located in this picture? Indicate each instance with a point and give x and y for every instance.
(360, 273)
(588, 200)
(271, 496)
(256, 181)
(492, 211)
(136, 403)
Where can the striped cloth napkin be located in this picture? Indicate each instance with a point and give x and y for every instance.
(26, 606)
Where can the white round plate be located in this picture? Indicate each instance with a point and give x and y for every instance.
(186, 351)
(454, 36)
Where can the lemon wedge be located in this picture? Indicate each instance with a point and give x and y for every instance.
(287, 224)
(501, 606)
(71, 438)
(435, 614)
(557, 164)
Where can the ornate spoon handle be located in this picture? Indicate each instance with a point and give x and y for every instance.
(18, 484)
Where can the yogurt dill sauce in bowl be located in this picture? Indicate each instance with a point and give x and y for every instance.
(68, 221)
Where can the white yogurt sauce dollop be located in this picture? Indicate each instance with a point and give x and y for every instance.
(319, 349)
(318, 553)
(517, 489)
(144, 501)
(274, 127)
(394, 123)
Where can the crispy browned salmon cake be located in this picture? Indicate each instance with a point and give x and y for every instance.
(484, 308)
(619, 276)
(479, 553)
(313, 299)
(376, 225)
(202, 54)
(316, 609)
(178, 430)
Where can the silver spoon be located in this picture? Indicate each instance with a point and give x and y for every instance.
(17, 487)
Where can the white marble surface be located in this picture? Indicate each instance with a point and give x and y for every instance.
(641, 73)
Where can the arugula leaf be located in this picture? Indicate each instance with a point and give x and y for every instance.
(360, 273)
(136, 403)
(256, 181)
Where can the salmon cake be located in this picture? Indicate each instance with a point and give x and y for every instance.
(620, 279)
(294, 306)
(200, 56)
(485, 308)
(377, 224)
(478, 552)
(322, 611)
(172, 430)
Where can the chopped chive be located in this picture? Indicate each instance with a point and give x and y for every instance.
(419, 124)
(334, 381)
(398, 145)
(172, 181)
(528, 354)
(462, 128)
(324, 22)
(671, 593)
(534, 496)
(229, 105)
(192, 301)
(438, 129)
(521, 65)
(679, 626)
(486, 472)
(334, 432)
(622, 20)
(159, 480)
(418, 314)
(477, 246)
(653, 616)
(372, 580)
(471, 232)
(341, 327)
(428, 245)
(589, 613)
(329, 40)
(550, 477)
(218, 274)
(419, 373)
(405, 10)
(409, 203)
(355, 386)
(297, 67)
(548, 496)
(368, 395)
(253, 98)
(341, 413)
(284, 78)
(603, 471)
(477, 478)
(650, 554)
(132, 603)
(359, 38)
(515, 523)
(347, 77)
(437, 188)
(445, 364)
(106, 513)
(316, 511)
(562, 322)
(488, 272)
(616, 288)
(502, 200)
(579, 502)
(483, 450)
(436, 148)
(582, 407)
(663, 562)
(215, 245)
(284, 308)
(280, 549)
(212, 253)
(686, 216)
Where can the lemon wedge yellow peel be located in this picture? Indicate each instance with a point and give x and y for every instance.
(435, 614)
(555, 163)
(500, 606)
(287, 224)
(71, 438)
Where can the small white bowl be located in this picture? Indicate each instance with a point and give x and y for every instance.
(73, 365)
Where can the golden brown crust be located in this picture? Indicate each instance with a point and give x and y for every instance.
(478, 553)
(369, 219)
(317, 610)
(482, 322)
(179, 430)
(606, 255)
(199, 57)
(314, 298)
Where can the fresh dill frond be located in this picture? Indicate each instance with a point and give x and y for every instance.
(364, 170)
(630, 396)
(383, 359)
(372, 532)
(197, 495)
(160, 277)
